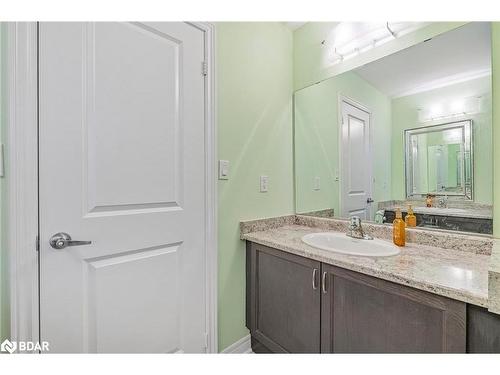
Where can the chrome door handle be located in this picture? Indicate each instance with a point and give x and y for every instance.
(369, 200)
(315, 286)
(61, 240)
(323, 282)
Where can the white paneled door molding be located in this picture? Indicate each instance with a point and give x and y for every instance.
(126, 156)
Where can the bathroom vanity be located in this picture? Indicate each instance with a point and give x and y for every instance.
(427, 299)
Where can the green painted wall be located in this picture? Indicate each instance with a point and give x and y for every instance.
(254, 94)
(495, 54)
(405, 116)
(317, 140)
(312, 62)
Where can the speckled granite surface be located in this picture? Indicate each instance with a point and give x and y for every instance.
(494, 279)
(328, 212)
(461, 275)
(265, 224)
(480, 244)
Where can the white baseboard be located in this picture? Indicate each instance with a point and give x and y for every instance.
(242, 346)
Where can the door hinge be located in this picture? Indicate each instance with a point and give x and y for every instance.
(37, 243)
(204, 68)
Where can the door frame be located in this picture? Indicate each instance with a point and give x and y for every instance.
(346, 99)
(20, 75)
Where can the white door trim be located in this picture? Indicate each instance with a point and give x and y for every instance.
(211, 185)
(345, 99)
(21, 149)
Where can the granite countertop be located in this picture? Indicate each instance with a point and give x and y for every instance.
(457, 274)
(455, 212)
(494, 279)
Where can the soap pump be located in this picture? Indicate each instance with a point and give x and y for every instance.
(399, 229)
(410, 218)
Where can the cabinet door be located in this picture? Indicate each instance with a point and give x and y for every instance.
(284, 297)
(483, 331)
(363, 314)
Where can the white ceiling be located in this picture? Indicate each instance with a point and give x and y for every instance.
(294, 25)
(456, 56)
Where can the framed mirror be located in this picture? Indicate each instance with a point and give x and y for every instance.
(384, 134)
(439, 160)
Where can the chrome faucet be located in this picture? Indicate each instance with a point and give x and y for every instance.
(356, 230)
(380, 217)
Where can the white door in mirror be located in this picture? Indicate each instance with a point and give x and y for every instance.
(341, 243)
(355, 162)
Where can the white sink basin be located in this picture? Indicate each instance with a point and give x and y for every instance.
(341, 243)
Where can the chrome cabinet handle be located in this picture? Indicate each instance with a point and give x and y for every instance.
(61, 240)
(315, 286)
(323, 282)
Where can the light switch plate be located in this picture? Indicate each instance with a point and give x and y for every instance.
(317, 183)
(264, 184)
(223, 169)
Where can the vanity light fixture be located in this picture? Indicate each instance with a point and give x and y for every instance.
(350, 39)
(456, 108)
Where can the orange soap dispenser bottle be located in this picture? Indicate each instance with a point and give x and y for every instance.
(399, 234)
(410, 218)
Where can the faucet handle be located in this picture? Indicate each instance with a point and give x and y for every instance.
(355, 221)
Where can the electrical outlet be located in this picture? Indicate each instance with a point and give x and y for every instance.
(264, 184)
(317, 183)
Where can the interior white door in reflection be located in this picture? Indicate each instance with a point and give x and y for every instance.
(356, 171)
(122, 164)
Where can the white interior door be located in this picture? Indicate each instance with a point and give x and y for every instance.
(122, 164)
(356, 173)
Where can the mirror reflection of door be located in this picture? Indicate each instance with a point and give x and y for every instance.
(355, 163)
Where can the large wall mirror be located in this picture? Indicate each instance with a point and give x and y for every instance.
(413, 128)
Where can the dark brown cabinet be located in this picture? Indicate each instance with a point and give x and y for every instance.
(283, 301)
(483, 330)
(299, 305)
(363, 314)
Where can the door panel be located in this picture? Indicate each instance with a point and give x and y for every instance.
(122, 165)
(355, 161)
(136, 91)
(112, 286)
